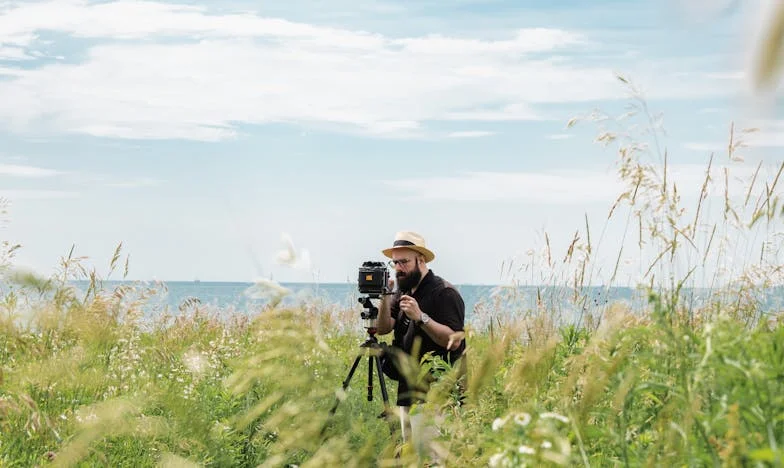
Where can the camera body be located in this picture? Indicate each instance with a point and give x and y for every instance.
(373, 278)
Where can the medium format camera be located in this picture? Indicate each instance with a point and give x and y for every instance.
(373, 279)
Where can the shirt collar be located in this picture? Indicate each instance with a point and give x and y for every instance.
(427, 280)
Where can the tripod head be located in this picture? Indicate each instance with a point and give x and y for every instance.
(370, 314)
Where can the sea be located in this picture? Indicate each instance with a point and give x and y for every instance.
(482, 302)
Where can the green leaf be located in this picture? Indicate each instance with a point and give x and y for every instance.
(767, 454)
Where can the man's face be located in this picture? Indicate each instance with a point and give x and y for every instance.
(406, 263)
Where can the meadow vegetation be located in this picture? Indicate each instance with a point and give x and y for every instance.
(86, 380)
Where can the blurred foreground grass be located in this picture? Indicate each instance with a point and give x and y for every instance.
(82, 386)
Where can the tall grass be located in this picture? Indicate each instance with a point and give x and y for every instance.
(708, 235)
(86, 381)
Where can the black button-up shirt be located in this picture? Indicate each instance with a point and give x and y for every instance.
(443, 303)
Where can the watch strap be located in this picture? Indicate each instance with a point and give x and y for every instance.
(423, 319)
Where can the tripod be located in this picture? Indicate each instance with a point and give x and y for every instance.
(373, 357)
(373, 349)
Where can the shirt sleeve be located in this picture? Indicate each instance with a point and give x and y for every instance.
(451, 309)
(394, 307)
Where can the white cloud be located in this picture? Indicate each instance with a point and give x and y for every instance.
(563, 187)
(705, 146)
(175, 71)
(13, 53)
(74, 177)
(8, 71)
(558, 187)
(517, 111)
(525, 41)
(16, 170)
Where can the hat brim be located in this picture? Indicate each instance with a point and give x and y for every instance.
(429, 256)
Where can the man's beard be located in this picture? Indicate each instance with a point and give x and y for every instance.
(407, 281)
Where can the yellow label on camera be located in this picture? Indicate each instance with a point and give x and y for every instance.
(368, 277)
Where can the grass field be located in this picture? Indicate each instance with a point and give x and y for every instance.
(86, 382)
(83, 387)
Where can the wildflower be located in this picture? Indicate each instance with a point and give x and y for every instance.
(557, 416)
(496, 460)
(195, 362)
(289, 256)
(547, 444)
(522, 419)
(526, 450)
(498, 423)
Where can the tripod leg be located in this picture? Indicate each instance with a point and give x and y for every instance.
(381, 382)
(385, 396)
(351, 372)
(370, 378)
(346, 382)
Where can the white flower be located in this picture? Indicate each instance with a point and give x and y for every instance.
(557, 416)
(195, 362)
(526, 450)
(289, 256)
(547, 444)
(522, 419)
(496, 459)
(498, 423)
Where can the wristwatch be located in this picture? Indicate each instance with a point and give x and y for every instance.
(423, 319)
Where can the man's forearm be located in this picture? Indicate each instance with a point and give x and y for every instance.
(440, 333)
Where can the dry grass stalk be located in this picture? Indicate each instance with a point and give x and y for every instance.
(751, 185)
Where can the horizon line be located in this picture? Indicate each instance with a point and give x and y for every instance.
(342, 283)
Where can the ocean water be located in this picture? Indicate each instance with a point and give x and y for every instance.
(483, 302)
(479, 299)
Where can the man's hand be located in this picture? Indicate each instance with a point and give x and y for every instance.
(441, 334)
(410, 307)
(385, 321)
(455, 339)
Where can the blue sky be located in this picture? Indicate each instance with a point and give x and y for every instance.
(198, 134)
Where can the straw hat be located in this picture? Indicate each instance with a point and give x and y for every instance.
(410, 240)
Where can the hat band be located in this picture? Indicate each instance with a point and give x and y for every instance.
(402, 242)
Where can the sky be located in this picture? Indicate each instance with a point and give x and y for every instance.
(203, 135)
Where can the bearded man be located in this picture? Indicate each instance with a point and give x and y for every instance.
(426, 310)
